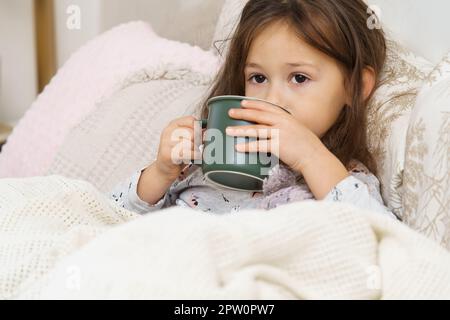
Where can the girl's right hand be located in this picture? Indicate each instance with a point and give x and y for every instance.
(176, 147)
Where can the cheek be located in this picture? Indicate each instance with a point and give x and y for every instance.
(318, 113)
(330, 106)
(249, 90)
(318, 122)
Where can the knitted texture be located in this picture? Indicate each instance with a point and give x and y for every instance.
(61, 238)
(123, 133)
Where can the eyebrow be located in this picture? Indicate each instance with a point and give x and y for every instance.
(290, 64)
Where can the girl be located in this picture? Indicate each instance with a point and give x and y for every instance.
(319, 60)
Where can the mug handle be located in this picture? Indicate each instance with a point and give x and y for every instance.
(204, 124)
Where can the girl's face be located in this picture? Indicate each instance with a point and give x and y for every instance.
(283, 69)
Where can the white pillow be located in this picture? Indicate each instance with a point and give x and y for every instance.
(190, 22)
(228, 20)
(90, 74)
(122, 135)
(427, 165)
(388, 117)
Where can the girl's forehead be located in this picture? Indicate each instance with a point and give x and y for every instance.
(281, 40)
(276, 31)
(283, 52)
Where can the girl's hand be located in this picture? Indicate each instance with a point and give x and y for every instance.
(278, 131)
(177, 147)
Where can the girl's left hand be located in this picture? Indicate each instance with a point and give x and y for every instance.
(297, 145)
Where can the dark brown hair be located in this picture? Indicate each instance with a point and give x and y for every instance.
(337, 28)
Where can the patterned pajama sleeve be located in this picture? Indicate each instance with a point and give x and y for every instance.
(361, 189)
(125, 195)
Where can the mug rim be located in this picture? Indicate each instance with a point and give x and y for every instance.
(233, 97)
(234, 172)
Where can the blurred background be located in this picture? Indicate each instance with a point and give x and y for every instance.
(38, 36)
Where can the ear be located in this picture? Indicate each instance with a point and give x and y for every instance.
(368, 83)
(368, 78)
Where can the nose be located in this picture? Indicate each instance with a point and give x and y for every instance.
(274, 95)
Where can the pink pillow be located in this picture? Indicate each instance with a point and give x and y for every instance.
(92, 73)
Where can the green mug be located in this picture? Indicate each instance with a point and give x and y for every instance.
(221, 164)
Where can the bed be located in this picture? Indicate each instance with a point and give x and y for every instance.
(97, 121)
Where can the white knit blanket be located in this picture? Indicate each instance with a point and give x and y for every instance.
(61, 238)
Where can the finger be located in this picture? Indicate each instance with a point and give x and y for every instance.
(186, 151)
(251, 131)
(189, 145)
(187, 121)
(177, 152)
(255, 146)
(182, 133)
(253, 115)
(195, 131)
(264, 106)
(190, 156)
(186, 139)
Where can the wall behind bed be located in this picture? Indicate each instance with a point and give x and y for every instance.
(191, 21)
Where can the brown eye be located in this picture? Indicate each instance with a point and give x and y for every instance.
(300, 78)
(259, 78)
